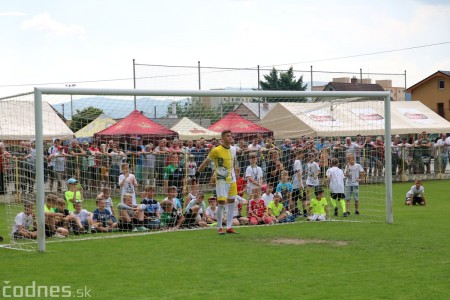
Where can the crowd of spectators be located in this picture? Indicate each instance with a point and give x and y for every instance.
(174, 162)
(267, 175)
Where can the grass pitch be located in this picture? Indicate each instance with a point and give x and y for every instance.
(328, 260)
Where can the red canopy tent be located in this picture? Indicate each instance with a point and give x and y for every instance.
(135, 125)
(240, 127)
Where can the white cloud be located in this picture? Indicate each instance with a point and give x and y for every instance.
(12, 14)
(45, 23)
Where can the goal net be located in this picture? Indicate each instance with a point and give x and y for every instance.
(99, 163)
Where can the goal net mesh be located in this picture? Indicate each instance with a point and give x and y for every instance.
(136, 157)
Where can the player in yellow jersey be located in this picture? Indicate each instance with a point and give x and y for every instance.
(224, 157)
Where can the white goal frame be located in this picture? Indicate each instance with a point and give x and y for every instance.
(38, 92)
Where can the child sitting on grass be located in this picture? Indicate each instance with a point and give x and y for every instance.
(416, 195)
(194, 214)
(277, 211)
(102, 218)
(318, 208)
(131, 217)
(84, 222)
(152, 213)
(25, 223)
(170, 217)
(257, 212)
(51, 217)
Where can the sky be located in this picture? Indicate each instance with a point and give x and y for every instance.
(92, 43)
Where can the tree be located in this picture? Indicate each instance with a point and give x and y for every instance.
(197, 110)
(84, 117)
(284, 82)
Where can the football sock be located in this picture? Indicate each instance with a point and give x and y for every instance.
(220, 209)
(230, 210)
(342, 201)
(333, 202)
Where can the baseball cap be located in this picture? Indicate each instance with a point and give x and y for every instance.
(86, 143)
(72, 181)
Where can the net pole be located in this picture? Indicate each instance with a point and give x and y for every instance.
(40, 195)
(388, 159)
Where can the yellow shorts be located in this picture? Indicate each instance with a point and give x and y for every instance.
(226, 190)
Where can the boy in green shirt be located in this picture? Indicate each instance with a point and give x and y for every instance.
(318, 208)
(73, 194)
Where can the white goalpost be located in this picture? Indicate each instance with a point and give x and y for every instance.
(337, 114)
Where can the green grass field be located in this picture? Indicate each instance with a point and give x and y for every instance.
(328, 260)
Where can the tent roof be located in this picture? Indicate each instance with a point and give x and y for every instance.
(100, 123)
(136, 124)
(17, 121)
(238, 126)
(189, 130)
(293, 120)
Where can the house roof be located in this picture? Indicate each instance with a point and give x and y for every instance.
(342, 86)
(258, 108)
(436, 74)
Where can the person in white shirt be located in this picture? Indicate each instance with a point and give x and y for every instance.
(312, 179)
(353, 172)
(441, 151)
(298, 188)
(25, 222)
(267, 196)
(416, 195)
(253, 174)
(335, 177)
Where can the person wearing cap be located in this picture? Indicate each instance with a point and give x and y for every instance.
(318, 208)
(73, 194)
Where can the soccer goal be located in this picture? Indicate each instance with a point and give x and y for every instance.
(69, 154)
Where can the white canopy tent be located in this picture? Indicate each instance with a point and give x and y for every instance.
(17, 121)
(349, 118)
(189, 130)
(100, 123)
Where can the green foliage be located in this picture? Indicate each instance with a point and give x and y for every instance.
(196, 109)
(285, 81)
(84, 117)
